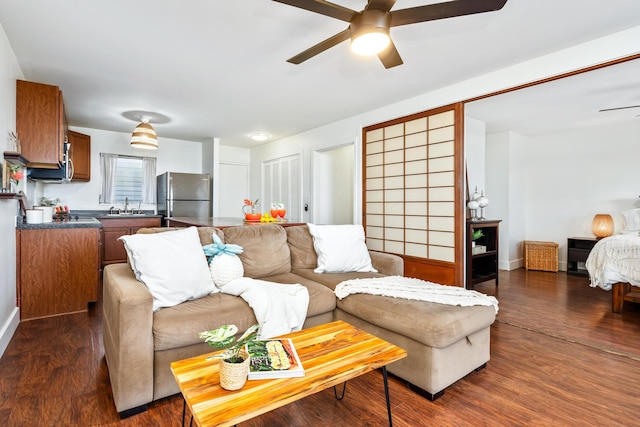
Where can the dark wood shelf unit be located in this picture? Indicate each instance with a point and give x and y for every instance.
(15, 158)
(483, 266)
(578, 250)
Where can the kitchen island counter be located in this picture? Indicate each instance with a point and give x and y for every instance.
(219, 222)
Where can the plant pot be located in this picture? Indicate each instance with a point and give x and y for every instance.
(233, 376)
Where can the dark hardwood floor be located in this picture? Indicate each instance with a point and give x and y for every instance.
(559, 357)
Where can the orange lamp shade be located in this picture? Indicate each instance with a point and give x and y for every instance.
(602, 225)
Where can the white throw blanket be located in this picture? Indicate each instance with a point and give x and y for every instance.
(414, 289)
(279, 308)
(615, 259)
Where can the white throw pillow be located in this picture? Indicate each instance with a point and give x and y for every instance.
(631, 220)
(171, 264)
(224, 268)
(340, 248)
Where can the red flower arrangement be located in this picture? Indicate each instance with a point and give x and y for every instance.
(16, 174)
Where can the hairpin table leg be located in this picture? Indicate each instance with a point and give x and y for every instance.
(335, 391)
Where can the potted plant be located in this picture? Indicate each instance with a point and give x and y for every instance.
(234, 360)
(476, 235)
(477, 249)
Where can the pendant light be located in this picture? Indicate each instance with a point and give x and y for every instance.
(144, 136)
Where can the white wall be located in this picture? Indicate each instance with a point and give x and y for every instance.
(475, 153)
(505, 179)
(9, 313)
(573, 175)
(172, 155)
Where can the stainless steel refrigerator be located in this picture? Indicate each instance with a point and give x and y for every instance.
(184, 194)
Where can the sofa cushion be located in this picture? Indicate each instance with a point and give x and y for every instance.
(432, 324)
(331, 280)
(340, 248)
(180, 325)
(171, 264)
(321, 299)
(265, 250)
(303, 254)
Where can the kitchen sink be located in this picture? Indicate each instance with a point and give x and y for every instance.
(127, 214)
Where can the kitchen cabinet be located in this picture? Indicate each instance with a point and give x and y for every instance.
(40, 123)
(80, 152)
(112, 228)
(482, 265)
(59, 270)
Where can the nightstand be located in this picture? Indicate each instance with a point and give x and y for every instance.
(578, 249)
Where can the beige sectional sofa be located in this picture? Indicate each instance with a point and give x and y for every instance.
(444, 343)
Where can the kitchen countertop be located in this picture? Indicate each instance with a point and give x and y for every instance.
(81, 219)
(72, 222)
(105, 214)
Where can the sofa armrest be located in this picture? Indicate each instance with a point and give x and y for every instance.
(387, 264)
(128, 337)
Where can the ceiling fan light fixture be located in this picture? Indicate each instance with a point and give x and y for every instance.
(370, 42)
(144, 136)
(370, 32)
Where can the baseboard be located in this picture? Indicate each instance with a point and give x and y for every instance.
(8, 329)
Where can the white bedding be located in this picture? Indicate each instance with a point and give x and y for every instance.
(615, 259)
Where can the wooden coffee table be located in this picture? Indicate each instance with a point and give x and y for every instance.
(331, 354)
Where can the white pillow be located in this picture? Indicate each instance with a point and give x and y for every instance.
(631, 220)
(340, 248)
(171, 264)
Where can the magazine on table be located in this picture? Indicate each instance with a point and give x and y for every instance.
(274, 358)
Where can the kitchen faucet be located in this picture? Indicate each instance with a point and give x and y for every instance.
(126, 204)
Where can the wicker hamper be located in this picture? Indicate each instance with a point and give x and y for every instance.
(540, 256)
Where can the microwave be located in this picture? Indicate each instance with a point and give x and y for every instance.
(62, 175)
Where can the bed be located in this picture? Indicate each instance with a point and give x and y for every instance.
(614, 264)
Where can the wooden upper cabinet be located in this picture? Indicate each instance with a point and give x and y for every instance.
(80, 149)
(40, 123)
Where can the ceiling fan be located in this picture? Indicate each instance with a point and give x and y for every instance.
(377, 18)
(619, 108)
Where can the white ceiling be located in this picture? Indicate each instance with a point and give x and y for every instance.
(218, 68)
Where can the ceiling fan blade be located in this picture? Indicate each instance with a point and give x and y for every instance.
(321, 47)
(449, 9)
(619, 108)
(385, 5)
(323, 8)
(390, 57)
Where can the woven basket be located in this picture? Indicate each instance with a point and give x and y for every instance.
(233, 376)
(541, 256)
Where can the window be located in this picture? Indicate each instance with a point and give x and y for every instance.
(127, 177)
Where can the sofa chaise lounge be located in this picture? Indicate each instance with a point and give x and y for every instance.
(444, 343)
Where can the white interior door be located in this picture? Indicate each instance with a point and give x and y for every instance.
(233, 188)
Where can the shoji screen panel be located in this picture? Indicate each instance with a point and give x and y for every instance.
(412, 192)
